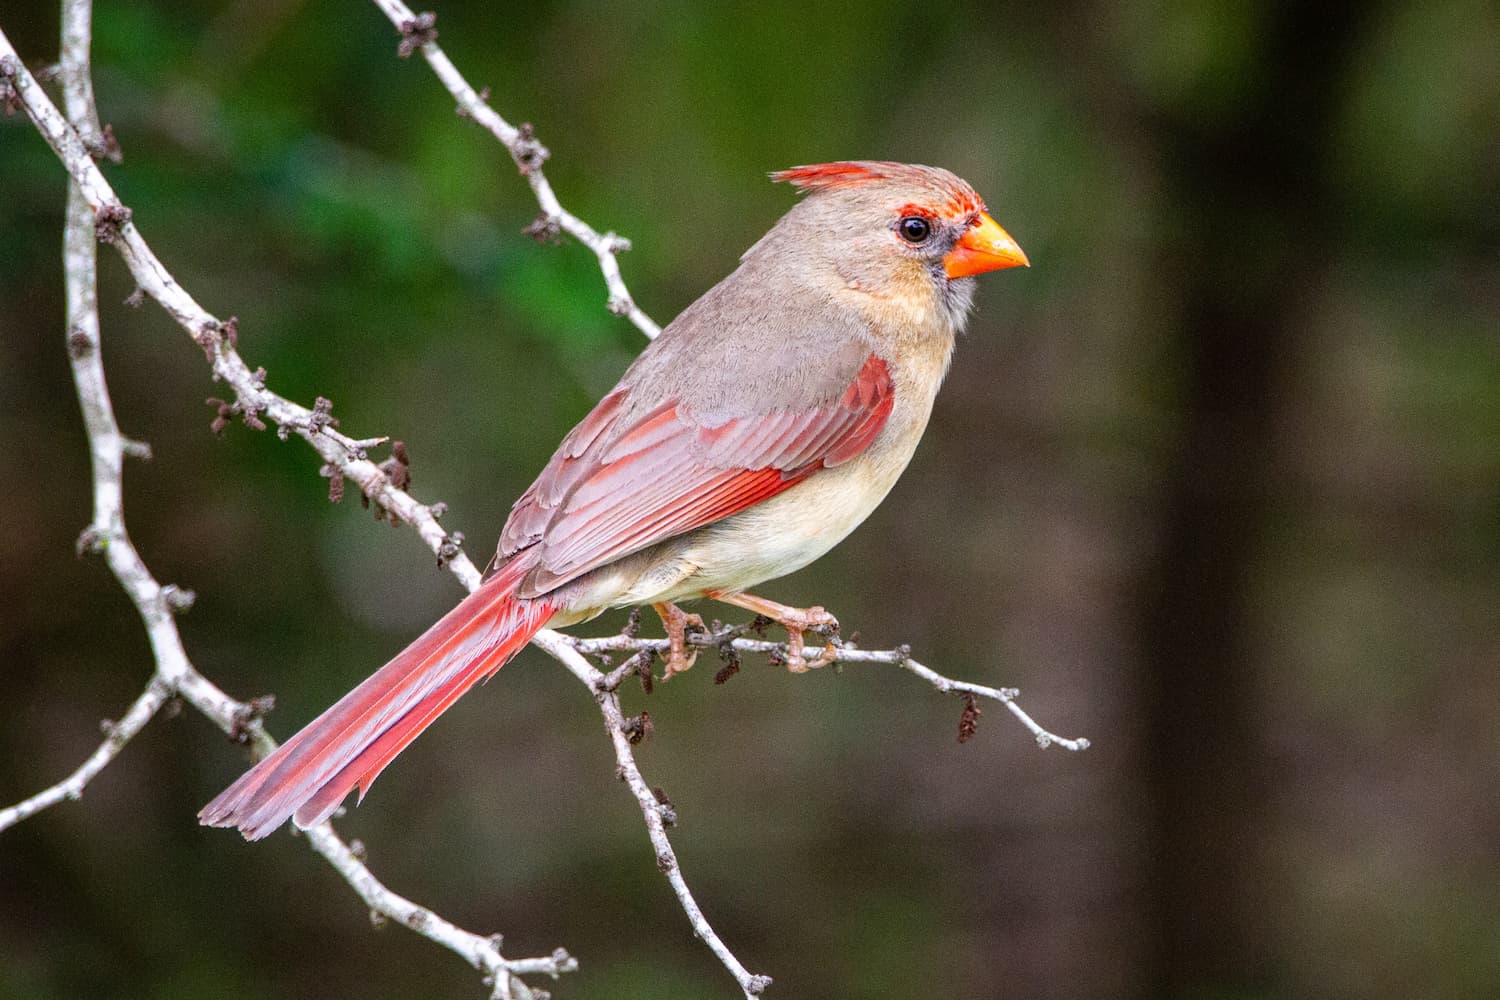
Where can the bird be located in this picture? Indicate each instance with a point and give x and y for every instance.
(762, 425)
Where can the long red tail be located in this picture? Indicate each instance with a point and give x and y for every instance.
(351, 743)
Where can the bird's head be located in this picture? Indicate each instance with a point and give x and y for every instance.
(909, 235)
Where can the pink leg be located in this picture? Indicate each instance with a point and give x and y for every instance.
(796, 621)
(676, 622)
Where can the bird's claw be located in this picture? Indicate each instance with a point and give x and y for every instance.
(798, 622)
(680, 657)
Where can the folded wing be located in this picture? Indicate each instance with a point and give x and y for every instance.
(614, 487)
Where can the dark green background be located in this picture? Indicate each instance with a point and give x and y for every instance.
(1216, 482)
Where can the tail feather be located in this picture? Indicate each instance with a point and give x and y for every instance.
(353, 741)
(365, 768)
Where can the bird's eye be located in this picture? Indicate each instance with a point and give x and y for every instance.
(914, 229)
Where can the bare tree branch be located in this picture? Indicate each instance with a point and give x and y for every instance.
(98, 212)
(174, 673)
(419, 33)
(731, 637)
(117, 734)
(656, 814)
(253, 402)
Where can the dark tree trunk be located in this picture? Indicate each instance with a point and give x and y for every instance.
(1256, 220)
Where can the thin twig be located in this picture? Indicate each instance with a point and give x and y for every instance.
(117, 734)
(561, 647)
(838, 652)
(419, 33)
(482, 953)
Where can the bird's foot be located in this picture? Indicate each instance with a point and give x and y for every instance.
(814, 619)
(797, 622)
(677, 622)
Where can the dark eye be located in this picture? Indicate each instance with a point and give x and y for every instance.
(914, 229)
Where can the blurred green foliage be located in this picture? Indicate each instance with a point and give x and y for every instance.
(1215, 482)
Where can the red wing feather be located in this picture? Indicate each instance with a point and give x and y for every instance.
(610, 491)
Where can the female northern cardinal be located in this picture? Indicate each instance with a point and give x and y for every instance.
(764, 424)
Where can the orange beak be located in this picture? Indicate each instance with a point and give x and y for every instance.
(985, 247)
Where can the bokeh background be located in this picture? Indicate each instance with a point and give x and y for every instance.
(1216, 483)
